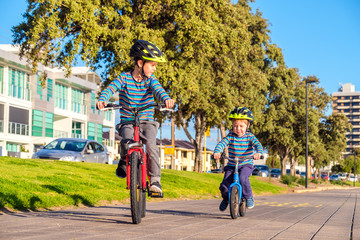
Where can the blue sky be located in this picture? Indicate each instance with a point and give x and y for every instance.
(319, 37)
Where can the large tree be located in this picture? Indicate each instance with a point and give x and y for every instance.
(218, 52)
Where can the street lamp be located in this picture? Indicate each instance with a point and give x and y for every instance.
(306, 141)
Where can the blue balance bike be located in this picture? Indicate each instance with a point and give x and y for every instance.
(236, 201)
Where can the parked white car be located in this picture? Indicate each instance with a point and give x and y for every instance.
(74, 149)
(343, 176)
(353, 178)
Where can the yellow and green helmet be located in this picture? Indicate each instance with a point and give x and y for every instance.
(241, 113)
(146, 51)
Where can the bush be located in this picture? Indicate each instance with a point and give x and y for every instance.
(316, 181)
(301, 181)
(339, 182)
(288, 179)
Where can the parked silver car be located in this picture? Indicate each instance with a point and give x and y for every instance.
(74, 149)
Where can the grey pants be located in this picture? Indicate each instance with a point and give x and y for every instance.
(148, 132)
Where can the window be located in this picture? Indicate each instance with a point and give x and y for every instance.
(91, 131)
(93, 103)
(19, 84)
(50, 88)
(98, 148)
(107, 115)
(77, 101)
(37, 123)
(49, 122)
(12, 147)
(99, 130)
(1, 79)
(184, 154)
(76, 130)
(61, 96)
(39, 88)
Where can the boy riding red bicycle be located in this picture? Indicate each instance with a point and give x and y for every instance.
(136, 89)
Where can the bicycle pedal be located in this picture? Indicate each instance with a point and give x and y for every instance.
(155, 194)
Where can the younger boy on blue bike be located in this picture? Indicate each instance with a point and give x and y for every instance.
(241, 143)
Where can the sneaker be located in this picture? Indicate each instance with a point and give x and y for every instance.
(223, 205)
(250, 203)
(155, 187)
(121, 169)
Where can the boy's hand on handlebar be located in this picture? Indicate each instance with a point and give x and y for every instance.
(169, 103)
(100, 105)
(217, 156)
(257, 156)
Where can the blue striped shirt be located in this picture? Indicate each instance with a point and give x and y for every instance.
(135, 94)
(240, 146)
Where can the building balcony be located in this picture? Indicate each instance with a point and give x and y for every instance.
(77, 135)
(60, 134)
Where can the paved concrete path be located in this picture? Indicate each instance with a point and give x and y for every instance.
(332, 214)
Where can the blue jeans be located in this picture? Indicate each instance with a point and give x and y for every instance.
(244, 174)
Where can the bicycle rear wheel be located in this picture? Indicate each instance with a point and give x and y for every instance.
(135, 188)
(234, 202)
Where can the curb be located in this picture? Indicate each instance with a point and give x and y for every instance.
(321, 189)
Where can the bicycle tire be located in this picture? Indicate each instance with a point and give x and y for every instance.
(143, 200)
(234, 202)
(135, 188)
(242, 208)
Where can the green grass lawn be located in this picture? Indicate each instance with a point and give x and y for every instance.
(33, 184)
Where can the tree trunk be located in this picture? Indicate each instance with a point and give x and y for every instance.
(293, 163)
(200, 127)
(223, 134)
(284, 156)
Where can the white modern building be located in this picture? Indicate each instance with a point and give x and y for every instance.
(33, 114)
(347, 101)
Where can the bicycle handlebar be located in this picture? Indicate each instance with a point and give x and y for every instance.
(158, 106)
(240, 159)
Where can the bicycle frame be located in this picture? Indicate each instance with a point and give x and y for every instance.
(236, 181)
(136, 146)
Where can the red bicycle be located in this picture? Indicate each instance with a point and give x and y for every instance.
(136, 159)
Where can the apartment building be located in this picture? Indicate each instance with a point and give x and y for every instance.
(347, 101)
(33, 114)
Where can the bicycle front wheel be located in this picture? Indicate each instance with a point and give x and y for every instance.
(135, 188)
(234, 202)
(242, 209)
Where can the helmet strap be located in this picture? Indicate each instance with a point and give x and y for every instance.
(141, 69)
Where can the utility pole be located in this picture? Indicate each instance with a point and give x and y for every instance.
(173, 142)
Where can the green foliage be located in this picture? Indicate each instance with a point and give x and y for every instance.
(348, 164)
(273, 162)
(219, 56)
(337, 169)
(339, 182)
(316, 181)
(288, 179)
(301, 181)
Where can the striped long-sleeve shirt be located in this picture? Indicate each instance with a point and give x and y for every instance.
(135, 94)
(240, 146)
